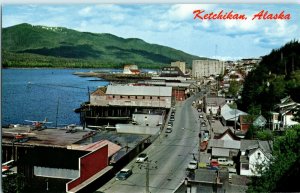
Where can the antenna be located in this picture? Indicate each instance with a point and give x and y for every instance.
(216, 51)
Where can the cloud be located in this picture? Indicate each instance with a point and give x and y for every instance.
(85, 11)
(182, 12)
(170, 25)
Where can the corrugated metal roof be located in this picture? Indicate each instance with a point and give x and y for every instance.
(231, 114)
(139, 90)
(220, 152)
(225, 144)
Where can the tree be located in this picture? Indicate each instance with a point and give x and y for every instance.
(284, 166)
(234, 88)
(13, 183)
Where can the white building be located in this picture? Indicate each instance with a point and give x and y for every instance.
(205, 68)
(255, 156)
(214, 104)
(180, 65)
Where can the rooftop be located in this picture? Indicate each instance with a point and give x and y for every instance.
(46, 137)
(139, 90)
(231, 114)
(228, 144)
(217, 101)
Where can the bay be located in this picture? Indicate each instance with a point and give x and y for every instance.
(36, 94)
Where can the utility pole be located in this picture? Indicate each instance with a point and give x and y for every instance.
(147, 177)
(147, 167)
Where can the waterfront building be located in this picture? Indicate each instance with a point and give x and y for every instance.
(131, 69)
(133, 96)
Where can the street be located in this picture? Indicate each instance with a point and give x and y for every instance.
(169, 156)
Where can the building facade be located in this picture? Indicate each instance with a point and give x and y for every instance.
(180, 65)
(134, 96)
(205, 68)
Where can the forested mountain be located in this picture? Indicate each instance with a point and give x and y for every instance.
(25, 45)
(277, 76)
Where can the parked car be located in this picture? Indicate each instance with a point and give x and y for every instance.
(142, 157)
(225, 162)
(172, 119)
(123, 174)
(214, 163)
(212, 168)
(201, 116)
(203, 124)
(168, 130)
(193, 165)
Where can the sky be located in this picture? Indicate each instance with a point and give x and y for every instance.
(170, 25)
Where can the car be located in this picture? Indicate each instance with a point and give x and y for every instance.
(203, 124)
(168, 130)
(212, 168)
(225, 162)
(214, 163)
(200, 116)
(172, 119)
(170, 124)
(124, 174)
(193, 165)
(141, 158)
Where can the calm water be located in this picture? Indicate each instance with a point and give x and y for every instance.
(35, 94)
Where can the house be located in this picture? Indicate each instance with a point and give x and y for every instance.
(226, 145)
(230, 116)
(212, 105)
(255, 156)
(286, 109)
(228, 135)
(223, 148)
(260, 122)
(274, 120)
(244, 122)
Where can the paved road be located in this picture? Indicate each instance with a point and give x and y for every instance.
(169, 156)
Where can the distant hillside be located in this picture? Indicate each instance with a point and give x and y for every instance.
(26, 45)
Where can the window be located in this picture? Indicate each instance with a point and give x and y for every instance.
(245, 166)
(150, 97)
